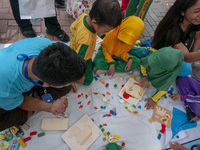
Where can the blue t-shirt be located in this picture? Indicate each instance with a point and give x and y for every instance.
(12, 81)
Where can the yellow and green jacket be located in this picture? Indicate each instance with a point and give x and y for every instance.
(119, 41)
(83, 38)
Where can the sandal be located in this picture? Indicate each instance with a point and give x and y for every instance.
(62, 37)
(29, 33)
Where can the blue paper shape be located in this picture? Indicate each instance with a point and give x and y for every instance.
(180, 122)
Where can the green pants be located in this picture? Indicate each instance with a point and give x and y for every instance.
(88, 74)
(143, 6)
(101, 63)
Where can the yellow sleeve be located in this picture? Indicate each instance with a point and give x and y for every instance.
(158, 95)
(108, 56)
(125, 56)
(143, 72)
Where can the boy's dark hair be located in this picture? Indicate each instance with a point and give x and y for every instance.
(59, 65)
(106, 12)
(168, 31)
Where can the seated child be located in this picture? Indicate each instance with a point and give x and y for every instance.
(189, 88)
(141, 51)
(104, 16)
(113, 54)
(161, 68)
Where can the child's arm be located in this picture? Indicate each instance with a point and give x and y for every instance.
(186, 98)
(151, 101)
(178, 146)
(108, 56)
(143, 74)
(128, 65)
(111, 70)
(82, 50)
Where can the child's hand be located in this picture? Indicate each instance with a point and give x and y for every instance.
(150, 103)
(81, 81)
(73, 87)
(198, 146)
(59, 107)
(128, 65)
(175, 96)
(145, 82)
(178, 146)
(111, 70)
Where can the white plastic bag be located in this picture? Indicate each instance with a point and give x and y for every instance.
(30, 9)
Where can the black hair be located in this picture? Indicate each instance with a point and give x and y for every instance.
(106, 12)
(59, 65)
(168, 31)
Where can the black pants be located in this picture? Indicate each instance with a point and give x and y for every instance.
(19, 116)
(51, 23)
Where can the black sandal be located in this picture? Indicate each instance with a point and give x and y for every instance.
(29, 33)
(62, 37)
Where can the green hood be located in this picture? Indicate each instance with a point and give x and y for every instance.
(163, 66)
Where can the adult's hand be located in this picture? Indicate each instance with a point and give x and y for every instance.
(60, 106)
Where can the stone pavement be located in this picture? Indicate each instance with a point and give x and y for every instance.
(9, 31)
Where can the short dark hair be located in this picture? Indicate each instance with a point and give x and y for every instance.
(168, 30)
(59, 65)
(106, 12)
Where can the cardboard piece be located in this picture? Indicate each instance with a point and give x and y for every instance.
(82, 134)
(54, 124)
(132, 92)
(162, 115)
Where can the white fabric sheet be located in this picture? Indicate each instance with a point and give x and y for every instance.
(135, 129)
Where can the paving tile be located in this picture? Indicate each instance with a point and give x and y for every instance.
(4, 10)
(3, 26)
(37, 29)
(6, 16)
(2, 37)
(12, 34)
(12, 23)
(37, 22)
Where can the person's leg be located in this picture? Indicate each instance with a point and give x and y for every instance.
(124, 4)
(60, 3)
(13, 117)
(190, 86)
(54, 29)
(89, 75)
(143, 8)
(131, 8)
(24, 25)
(99, 60)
